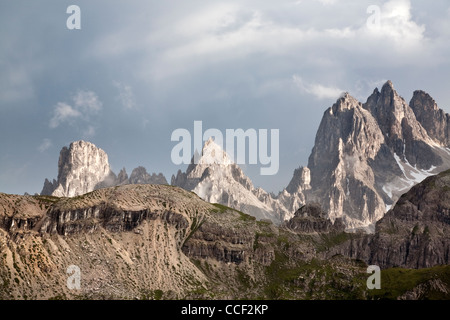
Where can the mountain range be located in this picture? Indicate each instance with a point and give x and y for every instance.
(365, 156)
(370, 195)
(148, 241)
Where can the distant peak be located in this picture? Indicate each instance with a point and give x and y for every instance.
(212, 152)
(388, 86)
(389, 83)
(210, 141)
(421, 93)
(422, 100)
(345, 102)
(82, 144)
(347, 97)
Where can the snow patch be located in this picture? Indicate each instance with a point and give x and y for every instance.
(411, 177)
(412, 174)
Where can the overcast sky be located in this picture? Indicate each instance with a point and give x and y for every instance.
(138, 70)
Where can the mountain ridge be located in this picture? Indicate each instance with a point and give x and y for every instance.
(364, 157)
(160, 241)
(83, 167)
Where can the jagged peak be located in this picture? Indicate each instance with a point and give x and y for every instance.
(345, 102)
(388, 90)
(83, 146)
(427, 102)
(213, 153)
(82, 143)
(300, 181)
(388, 85)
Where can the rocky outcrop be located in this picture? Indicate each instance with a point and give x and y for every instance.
(433, 119)
(139, 175)
(366, 155)
(342, 179)
(216, 179)
(426, 290)
(156, 241)
(403, 134)
(125, 240)
(83, 168)
(311, 219)
(413, 234)
(80, 168)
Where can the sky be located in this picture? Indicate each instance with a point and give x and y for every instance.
(138, 70)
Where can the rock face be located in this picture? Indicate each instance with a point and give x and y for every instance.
(433, 119)
(140, 176)
(155, 241)
(83, 167)
(414, 233)
(159, 241)
(80, 168)
(342, 180)
(312, 219)
(126, 241)
(366, 155)
(216, 179)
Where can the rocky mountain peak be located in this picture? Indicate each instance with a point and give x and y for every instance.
(366, 155)
(311, 219)
(402, 131)
(345, 102)
(122, 176)
(424, 100)
(212, 153)
(300, 181)
(215, 178)
(388, 86)
(433, 119)
(81, 167)
(140, 175)
(387, 106)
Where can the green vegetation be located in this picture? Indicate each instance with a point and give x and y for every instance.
(47, 199)
(397, 281)
(151, 294)
(331, 240)
(242, 216)
(195, 225)
(259, 235)
(315, 279)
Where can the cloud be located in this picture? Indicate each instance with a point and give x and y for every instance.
(45, 145)
(396, 23)
(202, 37)
(87, 101)
(327, 2)
(126, 95)
(89, 132)
(15, 84)
(84, 105)
(63, 113)
(317, 90)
